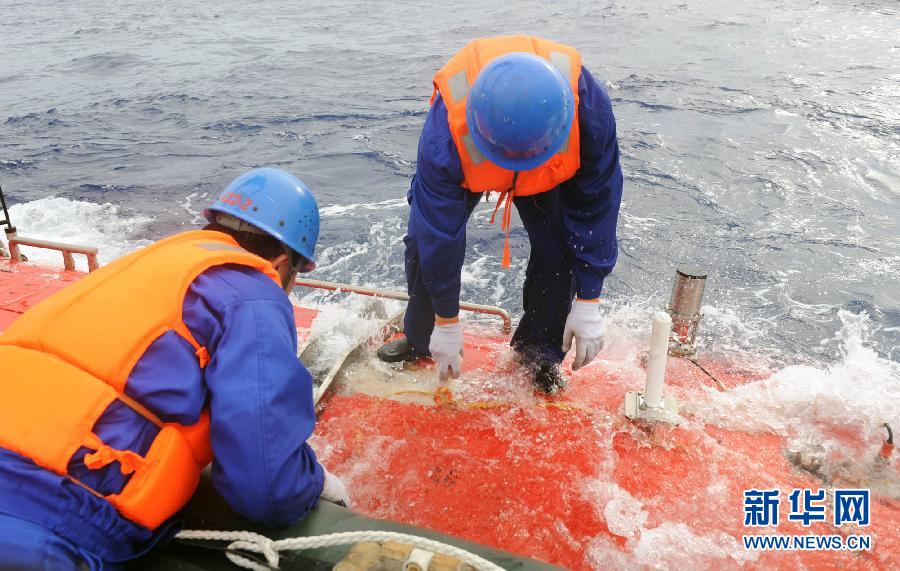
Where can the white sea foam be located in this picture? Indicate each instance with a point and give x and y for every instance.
(105, 226)
(669, 546)
(861, 391)
(624, 515)
(341, 209)
(197, 217)
(832, 416)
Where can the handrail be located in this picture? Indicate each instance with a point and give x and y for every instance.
(67, 250)
(387, 294)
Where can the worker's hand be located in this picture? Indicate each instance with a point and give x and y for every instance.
(586, 326)
(334, 490)
(447, 348)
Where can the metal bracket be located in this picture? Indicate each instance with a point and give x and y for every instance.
(683, 339)
(637, 409)
(684, 308)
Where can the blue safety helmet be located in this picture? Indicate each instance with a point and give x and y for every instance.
(276, 202)
(519, 111)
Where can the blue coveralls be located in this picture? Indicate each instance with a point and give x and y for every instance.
(260, 400)
(571, 230)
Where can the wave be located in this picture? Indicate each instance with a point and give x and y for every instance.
(109, 228)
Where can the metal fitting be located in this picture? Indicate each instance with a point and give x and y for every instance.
(684, 308)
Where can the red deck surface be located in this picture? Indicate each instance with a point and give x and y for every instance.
(22, 285)
(577, 484)
(569, 480)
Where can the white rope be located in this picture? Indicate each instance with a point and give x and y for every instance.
(256, 543)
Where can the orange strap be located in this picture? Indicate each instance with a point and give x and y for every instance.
(443, 396)
(105, 455)
(506, 195)
(202, 356)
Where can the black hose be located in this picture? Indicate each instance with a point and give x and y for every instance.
(719, 383)
(890, 438)
(6, 221)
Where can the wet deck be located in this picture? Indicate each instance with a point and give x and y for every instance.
(567, 480)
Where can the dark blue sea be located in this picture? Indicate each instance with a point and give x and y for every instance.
(759, 139)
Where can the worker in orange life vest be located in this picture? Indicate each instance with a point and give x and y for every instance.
(118, 390)
(520, 116)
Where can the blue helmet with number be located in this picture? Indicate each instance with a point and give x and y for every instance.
(519, 111)
(276, 202)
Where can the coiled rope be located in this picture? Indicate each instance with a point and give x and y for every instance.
(256, 543)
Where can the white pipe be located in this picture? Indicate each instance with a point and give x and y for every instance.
(656, 365)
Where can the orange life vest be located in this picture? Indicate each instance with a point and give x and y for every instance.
(453, 82)
(66, 359)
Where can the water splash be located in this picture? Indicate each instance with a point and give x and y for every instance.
(860, 392)
(108, 227)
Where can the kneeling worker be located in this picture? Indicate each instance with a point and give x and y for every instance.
(517, 115)
(116, 392)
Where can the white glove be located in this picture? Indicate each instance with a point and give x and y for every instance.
(447, 348)
(334, 490)
(586, 326)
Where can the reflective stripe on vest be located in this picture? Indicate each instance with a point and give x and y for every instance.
(475, 155)
(459, 86)
(453, 82)
(68, 358)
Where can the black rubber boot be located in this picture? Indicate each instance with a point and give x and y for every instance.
(545, 374)
(548, 378)
(398, 350)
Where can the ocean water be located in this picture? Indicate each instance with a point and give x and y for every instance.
(758, 139)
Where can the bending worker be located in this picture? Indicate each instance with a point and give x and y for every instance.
(520, 116)
(120, 389)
